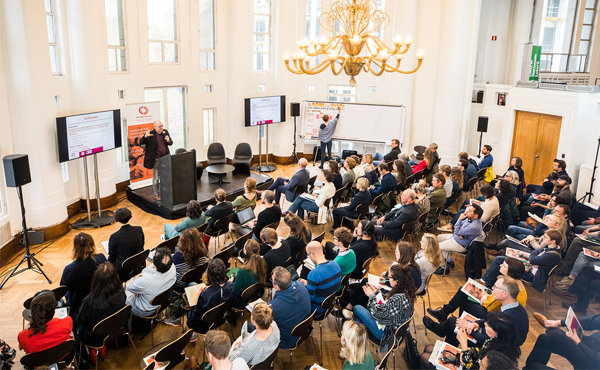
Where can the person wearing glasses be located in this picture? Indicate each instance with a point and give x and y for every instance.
(156, 144)
(505, 290)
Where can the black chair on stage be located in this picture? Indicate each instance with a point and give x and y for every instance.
(180, 150)
(216, 154)
(242, 159)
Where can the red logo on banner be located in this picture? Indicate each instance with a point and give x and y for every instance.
(143, 110)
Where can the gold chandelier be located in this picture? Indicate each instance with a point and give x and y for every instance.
(354, 23)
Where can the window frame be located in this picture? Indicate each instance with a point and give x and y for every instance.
(119, 47)
(269, 34)
(208, 51)
(56, 44)
(352, 96)
(164, 42)
(165, 108)
(206, 140)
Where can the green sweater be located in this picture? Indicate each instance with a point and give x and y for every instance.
(437, 198)
(346, 261)
(242, 202)
(367, 364)
(243, 280)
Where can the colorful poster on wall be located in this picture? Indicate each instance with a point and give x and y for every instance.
(534, 69)
(140, 119)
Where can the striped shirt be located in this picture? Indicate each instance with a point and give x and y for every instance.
(252, 350)
(321, 282)
(181, 267)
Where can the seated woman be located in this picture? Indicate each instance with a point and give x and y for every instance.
(367, 163)
(354, 347)
(77, 275)
(428, 258)
(361, 197)
(44, 330)
(541, 261)
(349, 175)
(359, 171)
(216, 212)
(254, 270)
(502, 337)
(456, 176)
(511, 267)
(192, 253)
(279, 252)
(299, 236)
(218, 290)
(334, 167)
(395, 309)
(398, 169)
(259, 339)
(249, 198)
(318, 203)
(364, 246)
(194, 217)
(423, 204)
(426, 164)
(490, 206)
(106, 297)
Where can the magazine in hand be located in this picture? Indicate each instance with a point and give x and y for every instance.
(105, 246)
(516, 241)
(535, 217)
(374, 280)
(596, 268)
(517, 254)
(476, 291)
(443, 355)
(308, 196)
(470, 318)
(591, 253)
(192, 293)
(588, 238)
(572, 323)
(61, 313)
(251, 305)
(157, 365)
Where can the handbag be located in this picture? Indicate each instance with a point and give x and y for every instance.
(411, 352)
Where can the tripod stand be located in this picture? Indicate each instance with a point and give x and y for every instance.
(590, 193)
(294, 156)
(32, 263)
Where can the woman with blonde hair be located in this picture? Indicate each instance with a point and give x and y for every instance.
(427, 162)
(361, 197)
(354, 347)
(457, 178)
(255, 346)
(254, 270)
(367, 163)
(249, 198)
(428, 258)
(77, 276)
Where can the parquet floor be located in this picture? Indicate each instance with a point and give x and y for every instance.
(57, 253)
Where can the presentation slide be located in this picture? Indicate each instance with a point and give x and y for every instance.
(90, 133)
(265, 110)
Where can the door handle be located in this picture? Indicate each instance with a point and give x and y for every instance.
(537, 157)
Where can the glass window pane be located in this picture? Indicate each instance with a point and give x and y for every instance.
(583, 47)
(261, 6)
(176, 115)
(115, 28)
(50, 24)
(586, 32)
(207, 24)
(53, 59)
(261, 61)
(211, 60)
(203, 61)
(261, 23)
(545, 62)
(575, 63)
(313, 11)
(162, 17)
(112, 60)
(590, 4)
(48, 6)
(261, 42)
(170, 53)
(154, 49)
(588, 16)
(557, 26)
(121, 62)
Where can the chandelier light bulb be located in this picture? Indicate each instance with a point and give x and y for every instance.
(286, 57)
(420, 55)
(408, 40)
(398, 40)
(355, 40)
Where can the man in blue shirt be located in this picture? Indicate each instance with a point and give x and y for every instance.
(326, 131)
(388, 181)
(488, 160)
(324, 279)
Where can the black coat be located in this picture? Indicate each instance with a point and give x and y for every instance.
(126, 242)
(216, 212)
(392, 155)
(152, 146)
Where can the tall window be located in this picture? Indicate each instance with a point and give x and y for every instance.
(313, 27)
(172, 111)
(51, 22)
(207, 35)
(262, 34)
(115, 32)
(566, 28)
(208, 120)
(163, 43)
(342, 93)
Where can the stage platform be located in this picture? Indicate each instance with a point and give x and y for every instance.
(144, 197)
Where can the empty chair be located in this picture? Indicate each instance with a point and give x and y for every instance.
(170, 243)
(180, 150)
(216, 154)
(242, 159)
(302, 331)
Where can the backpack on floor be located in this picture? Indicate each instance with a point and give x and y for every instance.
(411, 353)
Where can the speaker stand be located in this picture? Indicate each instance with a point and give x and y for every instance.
(32, 263)
(480, 139)
(267, 167)
(103, 218)
(294, 157)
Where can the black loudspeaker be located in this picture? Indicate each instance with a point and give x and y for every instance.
(16, 170)
(479, 96)
(482, 124)
(295, 109)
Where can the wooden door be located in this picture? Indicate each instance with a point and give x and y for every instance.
(535, 140)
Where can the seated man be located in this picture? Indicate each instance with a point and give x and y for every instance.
(393, 154)
(576, 247)
(563, 191)
(324, 279)
(388, 182)
(505, 290)
(291, 305)
(437, 198)
(361, 197)
(467, 228)
(124, 243)
(290, 187)
(469, 172)
(582, 261)
(391, 224)
(270, 214)
(511, 267)
(585, 286)
(581, 353)
(340, 251)
(559, 168)
(222, 209)
(154, 280)
(488, 160)
(217, 345)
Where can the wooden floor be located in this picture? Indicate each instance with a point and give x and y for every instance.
(56, 255)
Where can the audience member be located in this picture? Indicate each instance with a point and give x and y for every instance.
(45, 331)
(154, 280)
(494, 360)
(191, 253)
(216, 212)
(324, 279)
(77, 276)
(269, 215)
(299, 236)
(391, 224)
(248, 199)
(437, 198)
(584, 287)
(254, 270)
(279, 254)
(394, 151)
(350, 210)
(487, 160)
(490, 207)
(334, 167)
(359, 171)
(558, 167)
(292, 187)
(428, 258)
(407, 163)
(217, 290)
(349, 175)
(449, 186)
(316, 204)
(259, 339)
(217, 345)
(340, 251)
(367, 163)
(469, 172)
(422, 202)
(398, 167)
(576, 248)
(291, 305)
(387, 183)
(426, 165)
(194, 217)
(126, 242)
(354, 347)
(364, 246)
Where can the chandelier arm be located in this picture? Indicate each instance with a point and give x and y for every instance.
(390, 68)
(344, 60)
(370, 69)
(412, 71)
(382, 45)
(287, 64)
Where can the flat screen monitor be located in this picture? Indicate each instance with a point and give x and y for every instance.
(86, 134)
(265, 110)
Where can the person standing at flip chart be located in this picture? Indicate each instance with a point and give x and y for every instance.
(326, 131)
(156, 144)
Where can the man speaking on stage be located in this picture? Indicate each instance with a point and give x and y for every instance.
(156, 144)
